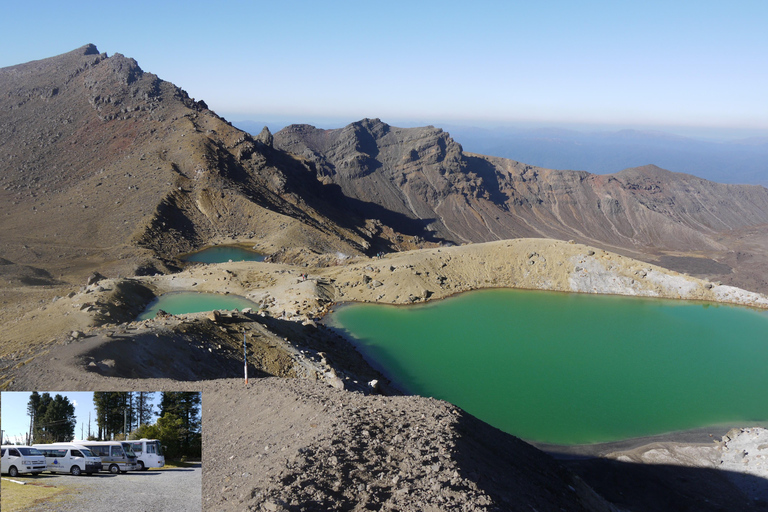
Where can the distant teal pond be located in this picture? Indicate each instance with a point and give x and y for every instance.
(572, 368)
(222, 254)
(180, 303)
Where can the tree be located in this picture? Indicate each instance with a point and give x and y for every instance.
(113, 411)
(145, 431)
(169, 430)
(53, 419)
(185, 406)
(144, 408)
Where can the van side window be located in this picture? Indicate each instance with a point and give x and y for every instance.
(117, 451)
(136, 447)
(76, 453)
(13, 452)
(150, 448)
(3, 453)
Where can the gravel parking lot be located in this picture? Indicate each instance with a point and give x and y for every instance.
(166, 490)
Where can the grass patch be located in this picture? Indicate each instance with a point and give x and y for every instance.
(17, 497)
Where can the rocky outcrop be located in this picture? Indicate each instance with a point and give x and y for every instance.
(265, 137)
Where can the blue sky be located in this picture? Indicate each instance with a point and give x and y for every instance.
(15, 421)
(626, 64)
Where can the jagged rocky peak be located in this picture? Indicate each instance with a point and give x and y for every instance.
(126, 69)
(265, 137)
(367, 139)
(89, 49)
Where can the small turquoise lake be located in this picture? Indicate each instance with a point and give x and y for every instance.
(222, 254)
(573, 368)
(180, 303)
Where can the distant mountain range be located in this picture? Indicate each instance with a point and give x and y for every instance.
(604, 152)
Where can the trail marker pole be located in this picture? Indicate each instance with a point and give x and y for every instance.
(245, 360)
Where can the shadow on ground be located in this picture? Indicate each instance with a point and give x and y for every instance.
(660, 488)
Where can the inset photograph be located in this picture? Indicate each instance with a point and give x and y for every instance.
(112, 450)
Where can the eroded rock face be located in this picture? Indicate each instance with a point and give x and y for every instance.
(419, 181)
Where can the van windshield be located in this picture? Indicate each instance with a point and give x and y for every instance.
(30, 451)
(128, 449)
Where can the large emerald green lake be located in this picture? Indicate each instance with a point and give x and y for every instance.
(573, 368)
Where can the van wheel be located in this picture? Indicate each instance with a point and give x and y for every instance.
(114, 469)
(75, 471)
(141, 466)
(13, 472)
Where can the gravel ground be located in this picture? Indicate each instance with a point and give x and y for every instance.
(290, 445)
(167, 490)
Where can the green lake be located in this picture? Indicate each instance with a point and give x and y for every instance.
(573, 368)
(222, 254)
(179, 303)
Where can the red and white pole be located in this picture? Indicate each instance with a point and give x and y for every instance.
(245, 360)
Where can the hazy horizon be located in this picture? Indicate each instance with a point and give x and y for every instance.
(693, 66)
(712, 133)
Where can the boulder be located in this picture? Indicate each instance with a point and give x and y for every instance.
(94, 278)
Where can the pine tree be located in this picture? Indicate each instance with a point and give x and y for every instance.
(144, 408)
(185, 406)
(53, 419)
(112, 407)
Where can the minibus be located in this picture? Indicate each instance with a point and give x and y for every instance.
(18, 460)
(69, 458)
(149, 453)
(114, 457)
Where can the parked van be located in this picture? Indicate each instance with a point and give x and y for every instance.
(69, 458)
(114, 457)
(149, 453)
(21, 459)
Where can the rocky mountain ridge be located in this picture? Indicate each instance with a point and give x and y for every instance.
(106, 165)
(443, 194)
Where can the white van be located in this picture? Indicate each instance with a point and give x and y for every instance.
(69, 458)
(149, 453)
(17, 460)
(114, 457)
